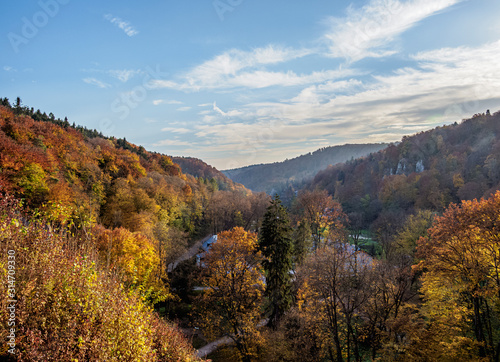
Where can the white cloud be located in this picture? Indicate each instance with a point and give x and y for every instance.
(123, 74)
(368, 31)
(226, 70)
(172, 143)
(124, 25)
(218, 110)
(445, 86)
(259, 79)
(176, 130)
(157, 102)
(8, 68)
(96, 82)
(183, 109)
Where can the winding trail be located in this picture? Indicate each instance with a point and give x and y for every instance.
(204, 351)
(223, 341)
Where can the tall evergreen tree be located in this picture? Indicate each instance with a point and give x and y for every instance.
(276, 245)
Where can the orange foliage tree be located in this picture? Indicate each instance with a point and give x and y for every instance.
(461, 279)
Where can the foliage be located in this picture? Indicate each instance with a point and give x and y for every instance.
(325, 216)
(302, 242)
(276, 246)
(231, 303)
(208, 174)
(460, 281)
(68, 308)
(425, 171)
(134, 259)
(335, 286)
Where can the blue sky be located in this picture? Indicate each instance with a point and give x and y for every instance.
(238, 82)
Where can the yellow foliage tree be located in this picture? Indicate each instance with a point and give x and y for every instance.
(461, 279)
(231, 303)
(135, 258)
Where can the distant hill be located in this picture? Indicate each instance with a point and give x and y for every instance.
(426, 171)
(275, 177)
(200, 169)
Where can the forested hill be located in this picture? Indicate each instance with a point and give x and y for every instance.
(425, 171)
(200, 169)
(98, 219)
(279, 175)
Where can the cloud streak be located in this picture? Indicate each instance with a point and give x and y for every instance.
(123, 75)
(237, 68)
(127, 28)
(368, 32)
(96, 82)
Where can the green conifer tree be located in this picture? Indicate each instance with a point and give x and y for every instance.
(276, 245)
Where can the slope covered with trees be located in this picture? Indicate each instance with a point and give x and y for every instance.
(127, 212)
(425, 171)
(276, 177)
(98, 219)
(205, 172)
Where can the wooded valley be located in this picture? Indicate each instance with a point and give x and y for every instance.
(394, 256)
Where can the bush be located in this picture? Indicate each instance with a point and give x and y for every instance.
(68, 308)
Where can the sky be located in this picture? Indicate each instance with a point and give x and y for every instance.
(240, 82)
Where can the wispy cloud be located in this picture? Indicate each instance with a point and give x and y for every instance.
(218, 110)
(8, 68)
(122, 24)
(180, 130)
(157, 102)
(238, 68)
(123, 74)
(172, 143)
(368, 32)
(184, 109)
(444, 86)
(96, 82)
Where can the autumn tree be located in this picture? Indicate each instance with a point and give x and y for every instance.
(231, 303)
(323, 214)
(302, 242)
(414, 227)
(461, 279)
(276, 245)
(134, 258)
(334, 288)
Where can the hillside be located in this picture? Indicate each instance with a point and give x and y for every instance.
(114, 216)
(202, 170)
(275, 177)
(428, 170)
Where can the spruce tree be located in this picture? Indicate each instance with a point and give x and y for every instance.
(276, 245)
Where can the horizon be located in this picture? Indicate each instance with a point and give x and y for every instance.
(215, 84)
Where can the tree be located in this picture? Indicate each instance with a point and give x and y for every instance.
(231, 304)
(414, 227)
(276, 245)
(461, 279)
(335, 284)
(302, 242)
(323, 214)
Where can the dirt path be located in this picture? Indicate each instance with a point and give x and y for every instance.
(212, 346)
(223, 341)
